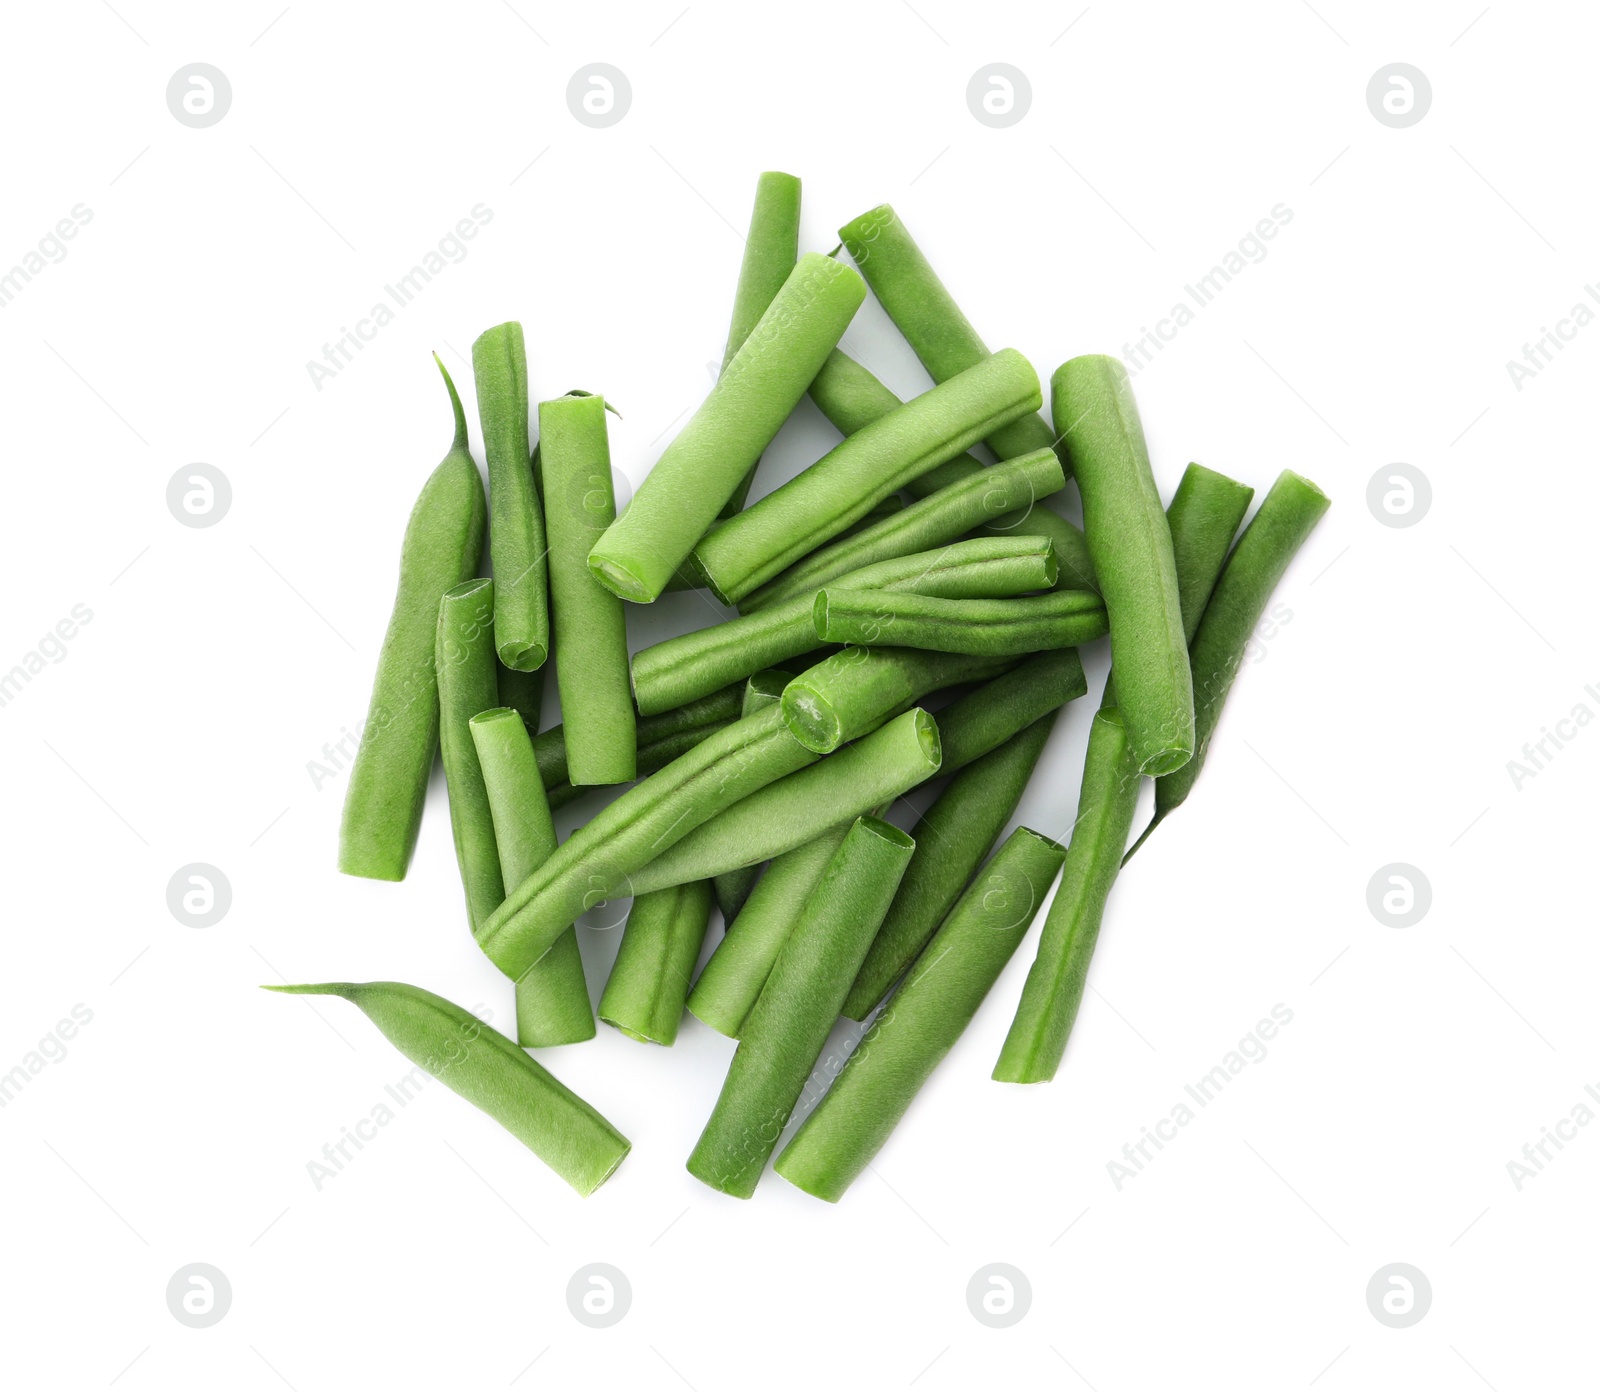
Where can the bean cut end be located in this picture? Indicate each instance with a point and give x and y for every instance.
(811, 720)
(621, 582)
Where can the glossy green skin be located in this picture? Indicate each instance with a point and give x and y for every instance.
(922, 309)
(855, 691)
(389, 781)
(708, 712)
(1054, 988)
(1126, 528)
(953, 837)
(464, 661)
(846, 483)
(552, 995)
(483, 1066)
(591, 635)
(770, 250)
(687, 667)
(602, 859)
(516, 517)
(732, 889)
(860, 777)
(784, 1034)
(649, 982)
(940, 518)
(699, 471)
(923, 1020)
(739, 967)
(972, 725)
(986, 627)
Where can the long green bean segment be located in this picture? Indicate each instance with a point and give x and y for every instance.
(699, 471)
(1292, 508)
(591, 640)
(953, 837)
(516, 518)
(738, 969)
(785, 1032)
(1054, 988)
(693, 665)
(444, 534)
(770, 251)
(926, 315)
(649, 982)
(856, 690)
(483, 1066)
(840, 488)
(732, 889)
(860, 777)
(1131, 544)
(989, 627)
(972, 725)
(464, 657)
(923, 1020)
(600, 860)
(940, 518)
(552, 995)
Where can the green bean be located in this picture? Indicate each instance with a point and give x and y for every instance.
(552, 995)
(516, 517)
(842, 486)
(922, 309)
(991, 627)
(701, 468)
(788, 813)
(1203, 517)
(732, 889)
(444, 534)
(689, 666)
(739, 967)
(1054, 988)
(770, 251)
(591, 640)
(953, 837)
(856, 690)
(709, 712)
(923, 1020)
(522, 692)
(596, 862)
(492, 1073)
(464, 658)
(972, 725)
(941, 517)
(649, 982)
(784, 1035)
(1132, 548)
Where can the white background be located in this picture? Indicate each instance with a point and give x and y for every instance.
(1375, 728)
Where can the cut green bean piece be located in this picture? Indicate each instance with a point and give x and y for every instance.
(552, 995)
(464, 658)
(785, 1032)
(732, 889)
(1130, 541)
(483, 1066)
(600, 860)
(953, 837)
(389, 781)
(516, 517)
(707, 712)
(700, 469)
(923, 1020)
(649, 982)
(840, 488)
(929, 319)
(770, 251)
(591, 639)
(940, 518)
(1203, 517)
(1054, 988)
(972, 725)
(986, 627)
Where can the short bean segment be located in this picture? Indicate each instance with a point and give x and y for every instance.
(784, 1034)
(732, 889)
(649, 982)
(483, 1066)
(709, 712)
(923, 1019)
(987, 627)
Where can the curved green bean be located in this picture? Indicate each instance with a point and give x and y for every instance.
(699, 471)
(784, 1035)
(923, 1019)
(988, 627)
(972, 725)
(483, 1066)
(649, 981)
(389, 781)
